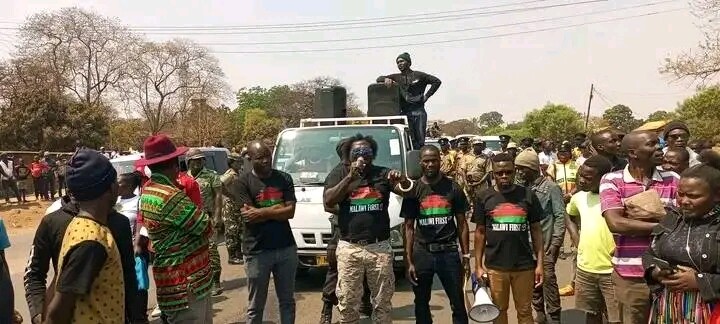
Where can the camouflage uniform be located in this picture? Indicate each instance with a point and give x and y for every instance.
(375, 263)
(210, 183)
(234, 225)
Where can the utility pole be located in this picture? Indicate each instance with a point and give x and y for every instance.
(587, 115)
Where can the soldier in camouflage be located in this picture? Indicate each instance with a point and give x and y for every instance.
(211, 192)
(233, 222)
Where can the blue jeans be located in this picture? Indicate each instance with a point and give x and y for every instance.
(282, 263)
(417, 120)
(448, 267)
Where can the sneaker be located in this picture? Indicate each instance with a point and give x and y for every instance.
(326, 315)
(156, 312)
(568, 290)
(217, 289)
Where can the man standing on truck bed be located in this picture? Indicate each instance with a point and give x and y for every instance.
(413, 96)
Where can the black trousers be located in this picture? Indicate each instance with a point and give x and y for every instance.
(448, 267)
(10, 187)
(417, 120)
(7, 310)
(328, 295)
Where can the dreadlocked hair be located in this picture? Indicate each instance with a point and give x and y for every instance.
(708, 170)
(357, 138)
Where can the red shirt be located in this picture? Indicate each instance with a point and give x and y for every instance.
(37, 168)
(187, 184)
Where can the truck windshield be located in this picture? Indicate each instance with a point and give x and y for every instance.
(308, 154)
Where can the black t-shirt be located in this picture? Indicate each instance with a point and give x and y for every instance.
(22, 172)
(435, 206)
(81, 266)
(507, 218)
(276, 189)
(364, 212)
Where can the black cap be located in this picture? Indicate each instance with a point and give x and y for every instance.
(505, 138)
(443, 141)
(89, 175)
(464, 140)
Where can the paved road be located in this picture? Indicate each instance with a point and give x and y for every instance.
(230, 306)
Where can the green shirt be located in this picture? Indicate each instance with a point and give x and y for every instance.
(209, 182)
(179, 233)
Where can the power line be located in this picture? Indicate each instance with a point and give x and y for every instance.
(436, 32)
(347, 21)
(603, 97)
(452, 40)
(294, 29)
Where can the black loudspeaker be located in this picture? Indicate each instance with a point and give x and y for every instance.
(330, 103)
(383, 100)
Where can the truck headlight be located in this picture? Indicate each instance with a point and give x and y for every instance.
(396, 237)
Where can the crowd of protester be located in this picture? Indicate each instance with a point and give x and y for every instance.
(640, 209)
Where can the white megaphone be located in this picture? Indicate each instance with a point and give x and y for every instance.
(482, 310)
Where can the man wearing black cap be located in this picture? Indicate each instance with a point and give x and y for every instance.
(676, 135)
(89, 253)
(504, 141)
(412, 91)
(447, 158)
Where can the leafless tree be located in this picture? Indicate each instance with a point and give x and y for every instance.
(165, 77)
(89, 52)
(701, 65)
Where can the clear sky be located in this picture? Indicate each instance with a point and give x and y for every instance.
(511, 74)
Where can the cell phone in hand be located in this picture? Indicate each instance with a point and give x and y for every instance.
(664, 265)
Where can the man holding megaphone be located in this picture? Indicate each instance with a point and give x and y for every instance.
(506, 214)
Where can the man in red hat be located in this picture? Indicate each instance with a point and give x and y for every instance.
(179, 231)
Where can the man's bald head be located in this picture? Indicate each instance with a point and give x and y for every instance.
(257, 147)
(605, 142)
(634, 140)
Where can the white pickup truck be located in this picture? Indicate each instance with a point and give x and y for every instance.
(308, 154)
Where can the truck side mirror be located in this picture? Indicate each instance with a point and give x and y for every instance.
(412, 162)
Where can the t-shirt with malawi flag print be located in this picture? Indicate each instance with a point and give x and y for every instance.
(507, 217)
(258, 192)
(434, 207)
(363, 213)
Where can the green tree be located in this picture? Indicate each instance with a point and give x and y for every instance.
(460, 126)
(621, 117)
(258, 125)
(557, 122)
(700, 112)
(489, 120)
(660, 115)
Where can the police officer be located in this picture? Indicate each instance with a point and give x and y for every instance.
(477, 170)
(231, 211)
(504, 141)
(463, 160)
(447, 158)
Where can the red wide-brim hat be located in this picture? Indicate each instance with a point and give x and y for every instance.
(159, 148)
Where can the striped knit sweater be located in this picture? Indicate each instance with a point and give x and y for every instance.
(179, 232)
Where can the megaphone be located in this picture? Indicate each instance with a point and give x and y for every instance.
(482, 310)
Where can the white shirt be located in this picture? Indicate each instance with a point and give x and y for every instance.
(56, 205)
(130, 208)
(547, 159)
(8, 169)
(693, 156)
